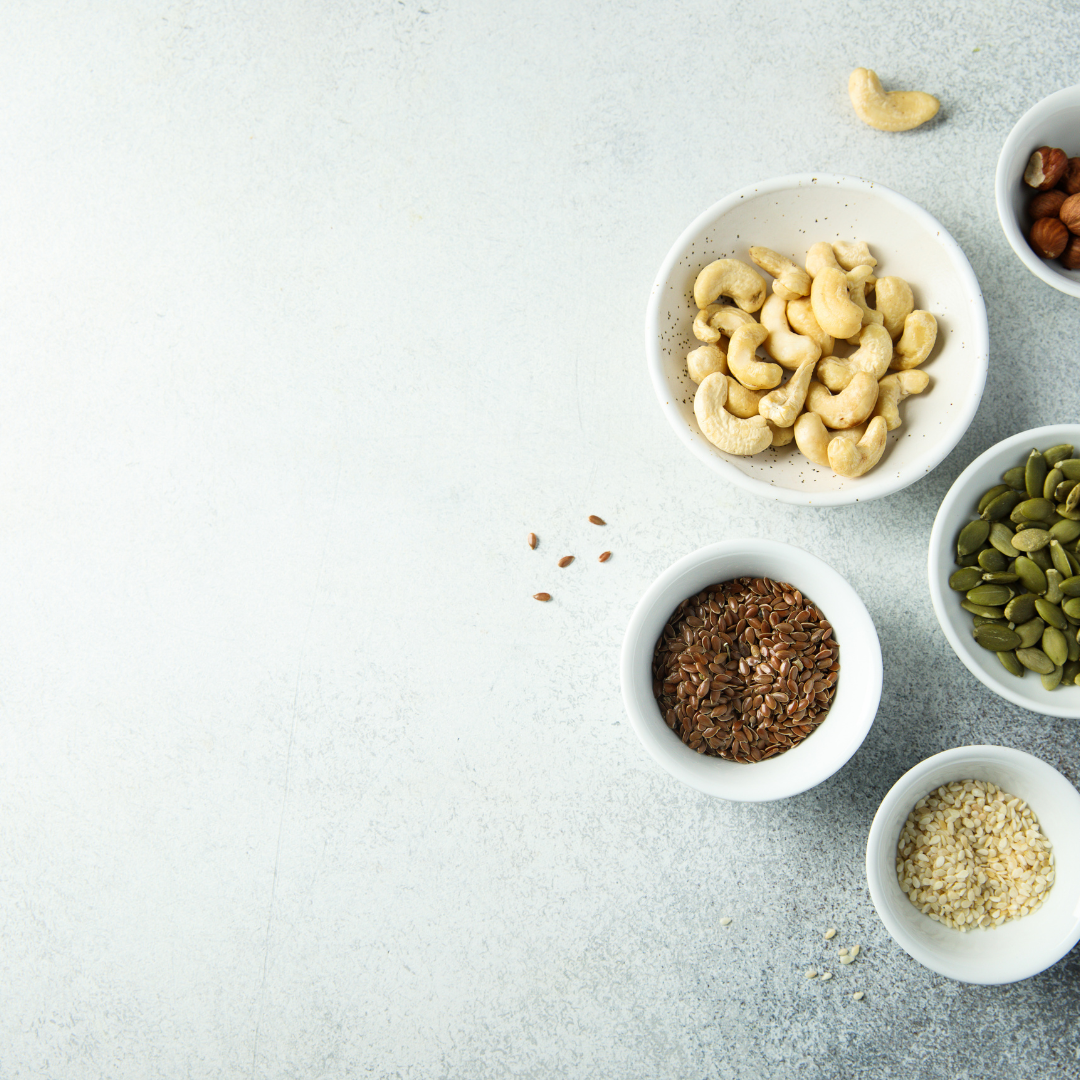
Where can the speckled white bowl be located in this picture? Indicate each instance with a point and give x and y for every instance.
(789, 215)
(858, 690)
(1054, 121)
(956, 510)
(1018, 949)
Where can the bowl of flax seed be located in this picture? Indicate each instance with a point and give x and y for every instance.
(751, 670)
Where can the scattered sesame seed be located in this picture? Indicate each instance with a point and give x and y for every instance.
(855, 951)
(830, 933)
(843, 952)
(725, 921)
(857, 996)
(827, 976)
(811, 973)
(845, 959)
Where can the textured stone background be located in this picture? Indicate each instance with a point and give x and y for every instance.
(308, 313)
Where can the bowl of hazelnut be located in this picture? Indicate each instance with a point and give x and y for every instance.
(1037, 189)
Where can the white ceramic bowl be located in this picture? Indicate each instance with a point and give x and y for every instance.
(1054, 121)
(1017, 949)
(789, 215)
(858, 689)
(958, 508)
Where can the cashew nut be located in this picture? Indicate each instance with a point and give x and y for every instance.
(783, 405)
(789, 275)
(833, 308)
(724, 431)
(850, 407)
(787, 349)
(730, 277)
(899, 110)
(704, 361)
(819, 257)
(741, 402)
(893, 298)
(852, 253)
(893, 389)
(811, 438)
(800, 316)
(859, 280)
(754, 374)
(916, 342)
(850, 458)
(728, 319)
(703, 331)
(873, 356)
(781, 436)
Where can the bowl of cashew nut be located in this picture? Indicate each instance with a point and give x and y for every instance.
(817, 339)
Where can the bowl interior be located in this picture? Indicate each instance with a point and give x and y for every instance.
(957, 508)
(1054, 121)
(858, 688)
(1017, 949)
(789, 216)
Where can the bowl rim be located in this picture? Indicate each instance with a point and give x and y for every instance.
(876, 838)
(870, 488)
(831, 582)
(937, 562)
(1006, 177)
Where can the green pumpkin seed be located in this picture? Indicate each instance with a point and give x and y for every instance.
(1031, 575)
(1001, 538)
(1033, 510)
(1074, 560)
(1071, 607)
(1061, 492)
(1041, 558)
(1070, 671)
(991, 495)
(1011, 664)
(992, 560)
(1035, 470)
(1053, 478)
(1071, 586)
(990, 595)
(967, 578)
(1000, 577)
(1071, 499)
(1035, 660)
(1050, 613)
(1071, 468)
(997, 638)
(967, 560)
(1031, 540)
(1065, 531)
(1014, 477)
(1057, 453)
(982, 609)
(1065, 512)
(972, 537)
(1054, 645)
(1001, 505)
(1051, 681)
(1059, 558)
(1030, 632)
(1053, 587)
(981, 620)
(1020, 608)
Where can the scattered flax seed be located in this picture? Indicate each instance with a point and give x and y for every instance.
(857, 996)
(543, 596)
(533, 541)
(725, 921)
(827, 976)
(605, 556)
(566, 560)
(830, 933)
(811, 973)
(597, 520)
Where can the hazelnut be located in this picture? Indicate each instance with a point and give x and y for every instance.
(1045, 168)
(1070, 214)
(1049, 237)
(1070, 257)
(1047, 203)
(1070, 180)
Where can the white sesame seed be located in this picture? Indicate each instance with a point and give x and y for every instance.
(855, 951)
(827, 976)
(857, 996)
(843, 952)
(830, 933)
(811, 973)
(725, 921)
(845, 959)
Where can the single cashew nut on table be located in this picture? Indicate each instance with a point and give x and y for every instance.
(893, 389)
(812, 438)
(899, 110)
(833, 308)
(730, 277)
(852, 253)
(849, 457)
(789, 350)
(754, 374)
(800, 317)
(724, 431)
(873, 356)
(703, 329)
(792, 278)
(783, 405)
(741, 402)
(704, 361)
(820, 257)
(894, 299)
(916, 342)
(850, 407)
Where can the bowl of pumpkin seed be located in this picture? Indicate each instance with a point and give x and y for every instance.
(1004, 569)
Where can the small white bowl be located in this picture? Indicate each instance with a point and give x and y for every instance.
(1017, 949)
(858, 689)
(1054, 121)
(789, 215)
(958, 508)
